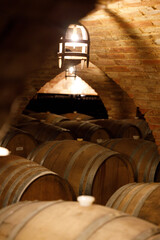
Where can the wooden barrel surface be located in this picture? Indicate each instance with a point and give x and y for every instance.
(138, 199)
(23, 119)
(18, 142)
(39, 115)
(55, 118)
(75, 115)
(90, 168)
(142, 125)
(117, 128)
(46, 132)
(49, 117)
(22, 179)
(86, 130)
(143, 156)
(61, 220)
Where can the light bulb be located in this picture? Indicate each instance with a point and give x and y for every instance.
(71, 70)
(74, 37)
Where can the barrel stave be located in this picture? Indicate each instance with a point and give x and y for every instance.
(89, 167)
(138, 199)
(19, 142)
(86, 130)
(23, 179)
(143, 156)
(43, 220)
(117, 128)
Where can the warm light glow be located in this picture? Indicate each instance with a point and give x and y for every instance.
(74, 37)
(70, 86)
(71, 70)
(74, 45)
(4, 151)
(77, 86)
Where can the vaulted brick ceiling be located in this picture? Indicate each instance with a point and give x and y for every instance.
(125, 53)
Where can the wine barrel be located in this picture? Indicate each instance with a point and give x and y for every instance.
(39, 115)
(48, 117)
(22, 180)
(117, 128)
(90, 168)
(55, 118)
(23, 119)
(75, 115)
(61, 220)
(18, 142)
(138, 199)
(143, 156)
(46, 132)
(86, 130)
(142, 125)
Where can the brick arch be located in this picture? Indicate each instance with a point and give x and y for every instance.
(116, 101)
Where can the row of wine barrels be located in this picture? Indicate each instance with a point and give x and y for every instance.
(54, 118)
(90, 168)
(86, 130)
(138, 199)
(67, 220)
(18, 142)
(21, 179)
(75, 115)
(46, 132)
(117, 128)
(143, 156)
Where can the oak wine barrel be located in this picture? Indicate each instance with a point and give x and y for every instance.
(23, 119)
(75, 115)
(46, 132)
(143, 156)
(22, 180)
(39, 115)
(86, 130)
(61, 220)
(138, 199)
(117, 128)
(48, 117)
(143, 126)
(18, 142)
(90, 168)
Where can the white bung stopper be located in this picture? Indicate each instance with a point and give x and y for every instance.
(4, 151)
(135, 137)
(85, 200)
(79, 139)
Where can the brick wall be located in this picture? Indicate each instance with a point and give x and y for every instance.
(125, 45)
(117, 102)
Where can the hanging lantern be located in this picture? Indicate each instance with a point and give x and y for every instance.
(74, 47)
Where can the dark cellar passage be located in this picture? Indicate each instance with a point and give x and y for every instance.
(87, 104)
